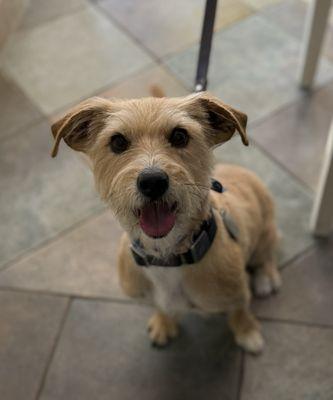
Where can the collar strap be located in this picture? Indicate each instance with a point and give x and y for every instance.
(201, 244)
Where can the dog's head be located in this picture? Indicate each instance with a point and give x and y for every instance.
(152, 158)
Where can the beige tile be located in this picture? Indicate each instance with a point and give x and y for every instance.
(140, 85)
(229, 12)
(258, 4)
(82, 262)
(41, 11)
(70, 58)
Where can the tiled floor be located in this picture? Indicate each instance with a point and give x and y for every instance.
(67, 331)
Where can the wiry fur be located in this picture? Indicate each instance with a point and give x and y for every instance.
(219, 282)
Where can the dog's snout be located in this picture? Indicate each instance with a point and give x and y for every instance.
(153, 183)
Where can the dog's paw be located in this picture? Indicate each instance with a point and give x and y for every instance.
(264, 284)
(252, 341)
(162, 329)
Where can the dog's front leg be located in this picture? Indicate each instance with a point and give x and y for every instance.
(246, 329)
(162, 328)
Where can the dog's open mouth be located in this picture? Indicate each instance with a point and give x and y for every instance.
(157, 218)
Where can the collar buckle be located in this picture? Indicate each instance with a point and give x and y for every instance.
(199, 247)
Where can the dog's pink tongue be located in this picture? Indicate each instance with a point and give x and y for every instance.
(157, 220)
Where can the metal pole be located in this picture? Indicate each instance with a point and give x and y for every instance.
(205, 46)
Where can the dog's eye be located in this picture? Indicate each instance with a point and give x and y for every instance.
(179, 137)
(118, 143)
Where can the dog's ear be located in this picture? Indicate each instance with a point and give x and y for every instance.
(219, 119)
(80, 126)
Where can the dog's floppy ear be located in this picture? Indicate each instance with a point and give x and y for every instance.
(220, 120)
(79, 126)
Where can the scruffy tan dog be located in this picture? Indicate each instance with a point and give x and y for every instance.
(186, 246)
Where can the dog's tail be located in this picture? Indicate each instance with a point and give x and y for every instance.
(156, 91)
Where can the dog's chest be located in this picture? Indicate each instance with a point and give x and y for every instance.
(168, 288)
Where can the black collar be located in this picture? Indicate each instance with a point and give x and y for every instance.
(201, 243)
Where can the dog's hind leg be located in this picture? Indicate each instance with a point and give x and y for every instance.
(266, 277)
(162, 328)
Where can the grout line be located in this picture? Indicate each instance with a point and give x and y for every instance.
(21, 130)
(157, 59)
(74, 296)
(241, 376)
(295, 322)
(99, 91)
(28, 252)
(123, 29)
(310, 191)
(273, 113)
(301, 254)
(53, 349)
(43, 23)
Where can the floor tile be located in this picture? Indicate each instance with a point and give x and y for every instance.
(70, 58)
(296, 136)
(17, 111)
(253, 66)
(29, 325)
(306, 294)
(140, 84)
(81, 262)
(40, 196)
(291, 15)
(104, 353)
(41, 11)
(165, 31)
(293, 202)
(297, 364)
(325, 96)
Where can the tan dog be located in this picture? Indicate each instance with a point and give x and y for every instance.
(152, 163)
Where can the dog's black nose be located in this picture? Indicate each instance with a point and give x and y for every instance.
(153, 183)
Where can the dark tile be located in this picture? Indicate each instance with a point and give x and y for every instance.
(325, 97)
(169, 27)
(254, 66)
(81, 262)
(40, 196)
(297, 363)
(17, 111)
(104, 353)
(28, 328)
(296, 137)
(291, 15)
(306, 294)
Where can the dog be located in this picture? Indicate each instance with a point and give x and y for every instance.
(189, 239)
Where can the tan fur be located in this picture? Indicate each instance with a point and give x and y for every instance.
(219, 282)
